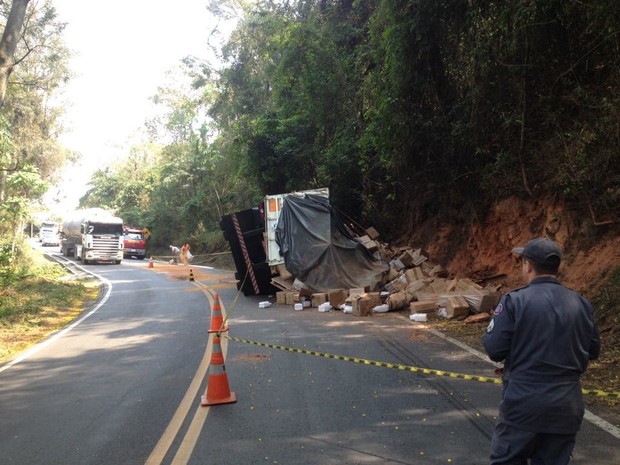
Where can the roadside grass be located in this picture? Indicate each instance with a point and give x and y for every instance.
(38, 302)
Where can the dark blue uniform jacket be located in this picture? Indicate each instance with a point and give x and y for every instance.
(545, 334)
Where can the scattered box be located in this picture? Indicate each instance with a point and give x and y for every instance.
(397, 284)
(281, 298)
(337, 297)
(372, 233)
(318, 299)
(456, 307)
(407, 258)
(364, 239)
(361, 306)
(397, 264)
(439, 286)
(424, 306)
(283, 272)
(398, 300)
(291, 297)
(483, 301)
(356, 291)
(439, 271)
(392, 274)
(467, 285)
(375, 298)
(414, 274)
(414, 287)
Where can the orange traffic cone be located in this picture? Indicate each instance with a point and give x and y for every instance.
(218, 391)
(217, 321)
(151, 262)
(191, 275)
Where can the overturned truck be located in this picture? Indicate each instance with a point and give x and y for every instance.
(300, 233)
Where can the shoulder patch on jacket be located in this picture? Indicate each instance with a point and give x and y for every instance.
(498, 310)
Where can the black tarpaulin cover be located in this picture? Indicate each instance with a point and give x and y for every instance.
(318, 249)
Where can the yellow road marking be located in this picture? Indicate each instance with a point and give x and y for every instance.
(172, 430)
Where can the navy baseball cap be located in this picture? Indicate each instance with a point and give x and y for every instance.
(541, 251)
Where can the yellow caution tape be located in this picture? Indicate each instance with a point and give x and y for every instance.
(424, 371)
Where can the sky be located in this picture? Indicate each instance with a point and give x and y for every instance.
(122, 51)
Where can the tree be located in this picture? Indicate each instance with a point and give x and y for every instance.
(8, 43)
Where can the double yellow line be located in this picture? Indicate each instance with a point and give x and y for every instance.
(188, 443)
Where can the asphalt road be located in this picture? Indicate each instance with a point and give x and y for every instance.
(124, 385)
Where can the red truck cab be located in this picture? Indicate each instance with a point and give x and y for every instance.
(134, 242)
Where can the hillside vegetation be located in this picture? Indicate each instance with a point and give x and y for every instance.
(406, 110)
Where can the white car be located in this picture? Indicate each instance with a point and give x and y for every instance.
(49, 238)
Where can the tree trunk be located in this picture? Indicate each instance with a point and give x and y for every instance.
(8, 44)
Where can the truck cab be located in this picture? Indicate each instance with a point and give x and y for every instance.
(134, 242)
(92, 236)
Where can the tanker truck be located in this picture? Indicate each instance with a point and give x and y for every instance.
(93, 235)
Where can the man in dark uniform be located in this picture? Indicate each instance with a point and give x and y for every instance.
(545, 334)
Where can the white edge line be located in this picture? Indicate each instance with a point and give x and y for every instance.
(589, 416)
(42, 345)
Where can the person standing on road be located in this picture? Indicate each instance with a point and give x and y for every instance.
(545, 334)
(185, 255)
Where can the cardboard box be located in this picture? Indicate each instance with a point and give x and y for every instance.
(356, 291)
(318, 299)
(392, 274)
(456, 307)
(414, 287)
(439, 271)
(283, 272)
(396, 285)
(489, 302)
(482, 301)
(375, 298)
(364, 239)
(439, 285)
(371, 246)
(466, 285)
(397, 264)
(414, 274)
(281, 298)
(424, 306)
(336, 297)
(361, 306)
(407, 258)
(398, 300)
(291, 297)
(372, 233)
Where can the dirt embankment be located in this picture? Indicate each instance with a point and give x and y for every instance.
(482, 249)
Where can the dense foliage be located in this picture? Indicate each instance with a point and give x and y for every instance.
(30, 155)
(425, 107)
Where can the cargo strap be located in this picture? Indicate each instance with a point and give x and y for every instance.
(246, 256)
